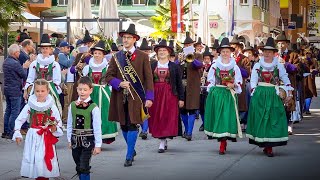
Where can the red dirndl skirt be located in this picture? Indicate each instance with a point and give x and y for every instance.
(164, 112)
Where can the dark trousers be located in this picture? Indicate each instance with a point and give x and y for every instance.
(11, 113)
(82, 155)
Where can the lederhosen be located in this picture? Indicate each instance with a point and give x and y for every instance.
(82, 138)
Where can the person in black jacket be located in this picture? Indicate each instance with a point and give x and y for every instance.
(168, 95)
(14, 75)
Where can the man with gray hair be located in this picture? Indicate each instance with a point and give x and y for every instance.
(14, 75)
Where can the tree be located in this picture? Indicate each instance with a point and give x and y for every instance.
(11, 11)
(162, 22)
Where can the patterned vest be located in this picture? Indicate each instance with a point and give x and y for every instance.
(44, 73)
(271, 77)
(223, 77)
(82, 116)
(39, 118)
(97, 77)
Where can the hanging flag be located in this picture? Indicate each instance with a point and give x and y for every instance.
(176, 15)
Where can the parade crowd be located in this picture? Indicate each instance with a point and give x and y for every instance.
(237, 89)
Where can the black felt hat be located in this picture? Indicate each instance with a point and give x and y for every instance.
(248, 47)
(215, 44)
(198, 42)
(87, 38)
(270, 45)
(235, 40)
(282, 37)
(131, 30)
(188, 39)
(45, 41)
(225, 44)
(144, 45)
(171, 44)
(114, 47)
(163, 44)
(101, 46)
(207, 52)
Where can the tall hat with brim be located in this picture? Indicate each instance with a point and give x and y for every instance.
(198, 42)
(270, 45)
(188, 39)
(282, 37)
(171, 44)
(101, 46)
(114, 47)
(144, 45)
(215, 44)
(131, 30)
(248, 47)
(207, 52)
(235, 40)
(87, 38)
(163, 44)
(225, 44)
(45, 41)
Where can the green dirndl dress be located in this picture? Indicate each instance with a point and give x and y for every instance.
(267, 122)
(101, 96)
(221, 112)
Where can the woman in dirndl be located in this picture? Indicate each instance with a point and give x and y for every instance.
(267, 121)
(168, 95)
(96, 70)
(221, 111)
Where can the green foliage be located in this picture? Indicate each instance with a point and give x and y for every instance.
(11, 38)
(162, 22)
(11, 11)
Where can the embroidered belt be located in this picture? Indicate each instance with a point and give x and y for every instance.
(82, 132)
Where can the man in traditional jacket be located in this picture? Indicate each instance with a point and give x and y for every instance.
(191, 76)
(291, 62)
(131, 79)
(245, 67)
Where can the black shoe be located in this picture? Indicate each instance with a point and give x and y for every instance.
(4, 135)
(128, 163)
(161, 151)
(222, 153)
(144, 136)
(209, 137)
(134, 154)
(184, 135)
(189, 137)
(201, 128)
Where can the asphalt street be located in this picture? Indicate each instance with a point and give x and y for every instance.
(197, 159)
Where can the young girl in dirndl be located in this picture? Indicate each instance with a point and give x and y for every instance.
(39, 156)
(96, 70)
(221, 111)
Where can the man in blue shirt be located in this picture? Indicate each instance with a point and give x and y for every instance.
(14, 75)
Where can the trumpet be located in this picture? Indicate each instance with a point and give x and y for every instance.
(190, 58)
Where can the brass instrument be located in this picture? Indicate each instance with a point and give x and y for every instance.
(189, 58)
(189, 54)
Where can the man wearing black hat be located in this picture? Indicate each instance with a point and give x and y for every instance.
(191, 77)
(198, 45)
(291, 62)
(244, 65)
(214, 51)
(131, 78)
(207, 60)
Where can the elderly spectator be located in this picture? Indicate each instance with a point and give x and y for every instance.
(26, 51)
(14, 75)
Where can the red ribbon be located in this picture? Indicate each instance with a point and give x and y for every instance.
(49, 141)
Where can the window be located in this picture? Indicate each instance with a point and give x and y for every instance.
(62, 2)
(255, 2)
(243, 2)
(95, 2)
(195, 1)
(139, 2)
